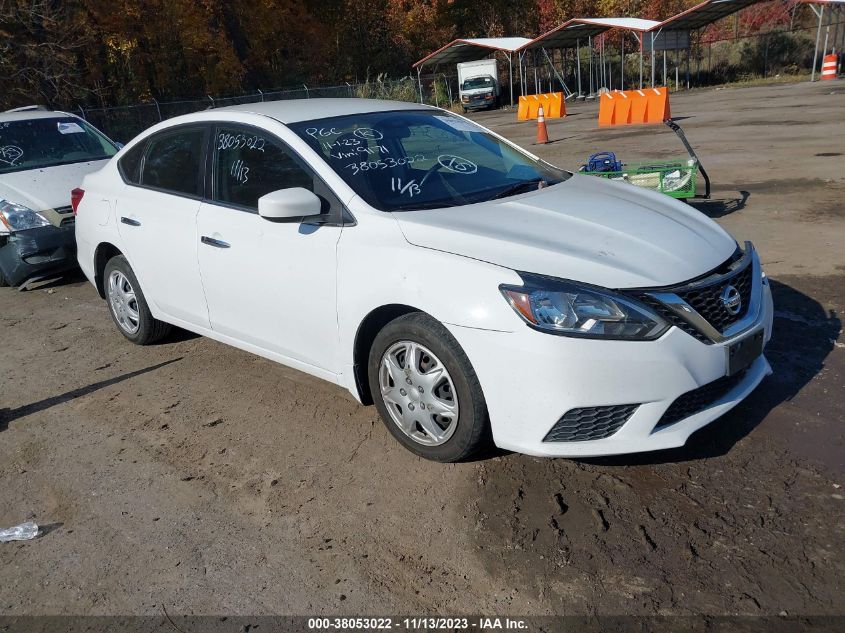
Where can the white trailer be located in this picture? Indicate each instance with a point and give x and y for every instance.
(478, 84)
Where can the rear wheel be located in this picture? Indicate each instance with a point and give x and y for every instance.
(127, 304)
(426, 390)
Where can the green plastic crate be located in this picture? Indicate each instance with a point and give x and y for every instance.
(676, 179)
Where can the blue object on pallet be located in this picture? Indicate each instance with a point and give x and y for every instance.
(602, 161)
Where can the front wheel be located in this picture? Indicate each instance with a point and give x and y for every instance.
(127, 305)
(426, 390)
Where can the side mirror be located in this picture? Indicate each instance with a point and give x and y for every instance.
(289, 204)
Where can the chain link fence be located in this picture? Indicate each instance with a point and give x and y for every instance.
(124, 122)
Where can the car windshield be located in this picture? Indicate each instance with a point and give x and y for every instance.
(405, 160)
(35, 143)
(478, 82)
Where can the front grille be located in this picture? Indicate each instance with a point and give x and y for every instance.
(64, 210)
(707, 301)
(590, 423)
(674, 319)
(698, 400)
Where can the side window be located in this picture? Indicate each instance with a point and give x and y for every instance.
(130, 163)
(249, 164)
(173, 161)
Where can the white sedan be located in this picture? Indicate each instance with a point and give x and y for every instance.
(469, 289)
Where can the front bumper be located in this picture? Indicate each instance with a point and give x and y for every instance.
(37, 252)
(531, 379)
(478, 103)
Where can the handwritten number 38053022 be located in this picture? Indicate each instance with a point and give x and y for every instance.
(238, 141)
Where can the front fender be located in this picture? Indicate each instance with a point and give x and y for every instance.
(378, 267)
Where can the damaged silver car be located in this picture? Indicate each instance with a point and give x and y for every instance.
(43, 156)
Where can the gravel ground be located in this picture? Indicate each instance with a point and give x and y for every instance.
(198, 478)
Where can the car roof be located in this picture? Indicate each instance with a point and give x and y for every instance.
(295, 110)
(28, 115)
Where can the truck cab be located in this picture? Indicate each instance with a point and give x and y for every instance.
(478, 84)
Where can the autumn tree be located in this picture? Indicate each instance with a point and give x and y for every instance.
(40, 47)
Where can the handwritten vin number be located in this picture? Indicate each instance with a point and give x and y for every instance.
(384, 163)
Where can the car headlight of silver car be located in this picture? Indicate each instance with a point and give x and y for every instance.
(17, 217)
(572, 309)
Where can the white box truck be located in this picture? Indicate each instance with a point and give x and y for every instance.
(478, 84)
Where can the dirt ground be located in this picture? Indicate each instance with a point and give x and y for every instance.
(198, 478)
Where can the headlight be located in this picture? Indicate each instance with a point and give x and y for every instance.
(17, 217)
(565, 307)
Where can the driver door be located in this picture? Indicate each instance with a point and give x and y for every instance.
(269, 284)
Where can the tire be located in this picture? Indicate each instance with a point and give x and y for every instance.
(127, 305)
(443, 391)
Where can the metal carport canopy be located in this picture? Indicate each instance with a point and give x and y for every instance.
(698, 17)
(704, 14)
(468, 50)
(570, 32)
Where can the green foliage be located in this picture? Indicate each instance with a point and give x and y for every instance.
(404, 89)
(763, 56)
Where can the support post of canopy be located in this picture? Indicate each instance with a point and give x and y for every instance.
(827, 34)
(419, 82)
(819, 14)
(510, 72)
(519, 72)
(622, 69)
(566, 91)
(578, 67)
(642, 52)
(652, 59)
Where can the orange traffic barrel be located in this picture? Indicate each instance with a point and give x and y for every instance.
(829, 67)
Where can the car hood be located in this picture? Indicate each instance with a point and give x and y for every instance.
(46, 187)
(586, 229)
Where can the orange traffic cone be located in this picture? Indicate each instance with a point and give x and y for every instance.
(542, 133)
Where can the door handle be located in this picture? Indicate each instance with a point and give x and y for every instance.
(130, 221)
(212, 242)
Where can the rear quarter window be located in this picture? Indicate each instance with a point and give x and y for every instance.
(130, 164)
(174, 161)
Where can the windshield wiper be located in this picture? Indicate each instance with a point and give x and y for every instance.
(423, 205)
(521, 187)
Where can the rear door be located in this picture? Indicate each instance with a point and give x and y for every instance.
(157, 217)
